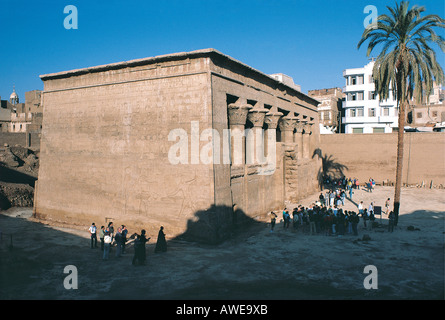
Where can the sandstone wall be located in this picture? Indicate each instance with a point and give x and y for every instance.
(374, 156)
(106, 153)
(104, 148)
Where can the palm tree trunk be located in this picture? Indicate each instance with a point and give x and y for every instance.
(398, 187)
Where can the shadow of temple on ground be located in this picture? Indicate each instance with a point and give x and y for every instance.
(216, 224)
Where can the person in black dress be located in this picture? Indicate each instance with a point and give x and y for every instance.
(161, 244)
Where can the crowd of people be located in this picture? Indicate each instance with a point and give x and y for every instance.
(327, 215)
(109, 237)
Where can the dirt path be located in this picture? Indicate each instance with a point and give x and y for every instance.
(255, 264)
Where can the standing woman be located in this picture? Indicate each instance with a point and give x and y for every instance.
(161, 244)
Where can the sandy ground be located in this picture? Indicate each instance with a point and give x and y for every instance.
(254, 264)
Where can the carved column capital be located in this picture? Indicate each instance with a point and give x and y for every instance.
(256, 116)
(308, 128)
(238, 113)
(272, 118)
(287, 123)
(299, 126)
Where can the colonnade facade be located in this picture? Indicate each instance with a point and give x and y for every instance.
(295, 131)
(272, 141)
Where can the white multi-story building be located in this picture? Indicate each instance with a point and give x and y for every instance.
(363, 112)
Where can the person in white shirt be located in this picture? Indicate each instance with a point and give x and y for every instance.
(360, 207)
(387, 204)
(361, 212)
(371, 209)
(93, 230)
(371, 215)
(107, 244)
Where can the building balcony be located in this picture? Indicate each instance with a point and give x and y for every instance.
(353, 72)
(346, 120)
(370, 120)
(354, 103)
(387, 119)
(358, 87)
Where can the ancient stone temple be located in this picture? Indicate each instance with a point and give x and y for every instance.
(192, 141)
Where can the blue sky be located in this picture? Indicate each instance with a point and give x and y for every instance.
(312, 41)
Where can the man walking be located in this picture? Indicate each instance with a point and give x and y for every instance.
(93, 230)
(273, 219)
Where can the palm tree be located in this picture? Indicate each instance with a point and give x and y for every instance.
(406, 64)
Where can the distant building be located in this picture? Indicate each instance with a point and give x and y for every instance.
(16, 117)
(430, 113)
(33, 101)
(363, 112)
(329, 109)
(287, 80)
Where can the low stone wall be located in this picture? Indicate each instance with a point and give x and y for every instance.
(30, 140)
(365, 156)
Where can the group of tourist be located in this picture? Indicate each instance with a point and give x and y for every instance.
(109, 237)
(320, 219)
(348, 184)
(342, 183)
(327, 215)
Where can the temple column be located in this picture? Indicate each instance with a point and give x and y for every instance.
(237, 120)
(287, 125)
(290, 166)
(298, 135)
(271, 119)
(307, 140)
(254, 137)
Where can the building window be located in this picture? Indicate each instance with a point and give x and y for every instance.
(371, 112)
(372, 95)
(327, 115)
(378, 130)
(357, 130)
(385, 111)
(356, 112)
(353, 96)
(419, 115)
(434, 114)
(353, 81)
